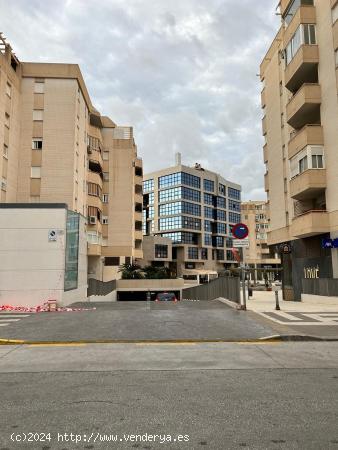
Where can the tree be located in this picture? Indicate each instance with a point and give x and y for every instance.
(151, 272)
(131, 271)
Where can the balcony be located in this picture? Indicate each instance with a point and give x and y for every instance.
(303, 68)
(310, 223)
(308, 135)
(95, 178)
(266, 182)
(283, 5)
(93, 249)
(95, 155)
(304, 106)
(303, 14)
(335, 34)
(309, 184)
(265, 153)
(264, 127)
(263, 100)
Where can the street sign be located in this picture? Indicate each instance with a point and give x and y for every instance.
(241, 243)
(240, 231)
(330, 243)
(285, 248)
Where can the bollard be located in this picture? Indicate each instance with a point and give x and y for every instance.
(277, 301)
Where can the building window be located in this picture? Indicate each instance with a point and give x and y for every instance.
(177, 178)
(105, 156)
(208, 212)
(161, 251)
(170, 209)
(72, 251)
(317, 162)
(151, 198)
(221, 202)
(39, 87)
(180, 193)
(305, 34)
(35, 172)
(104, 220)
(218, 241)
(207, 239)
(208, 226)
(312, 157)
(37, 144)
(112, 261)
(151, 212)
(209, 185)
(192, 253)
(221, 228)
(94, 189)
(220, 255)
(234, 206)
(221, 215)
(5, 151)
(148, 185)
(182, 237)
(335, 13)
(8, 89)
(105, 198)
(221, 189)
(171, 223)
(38, 114)
(204, 253)
(234, 218)
(234, 193)
(229, 243)
(208, 199)
(105, 176)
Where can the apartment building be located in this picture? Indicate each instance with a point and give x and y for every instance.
(259, 255)
(195, 208)
(57, 148)
(300, 116)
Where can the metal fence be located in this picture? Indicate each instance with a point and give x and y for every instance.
(226, 287)
(97, 287)
(320, 286)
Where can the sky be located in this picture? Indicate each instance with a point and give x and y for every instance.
(183, 73)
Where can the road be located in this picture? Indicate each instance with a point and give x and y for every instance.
(218, 396)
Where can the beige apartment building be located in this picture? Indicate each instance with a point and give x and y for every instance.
(259, 256)
(57, 148)
(300, 117)
(196, 209)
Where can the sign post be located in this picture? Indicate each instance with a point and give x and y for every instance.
(240, 232)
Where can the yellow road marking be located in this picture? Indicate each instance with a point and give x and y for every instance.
(165, 343)
(58, 345)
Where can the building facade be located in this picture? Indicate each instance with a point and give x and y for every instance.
(300, 116)
(259, 256)
(195, 208)
(57, 148)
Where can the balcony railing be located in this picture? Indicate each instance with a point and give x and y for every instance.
(304, 107)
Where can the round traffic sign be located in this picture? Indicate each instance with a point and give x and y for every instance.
(240, 231)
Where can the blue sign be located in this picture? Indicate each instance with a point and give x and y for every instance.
(330, 243)
(240, 231)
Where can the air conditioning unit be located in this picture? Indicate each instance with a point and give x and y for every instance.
(92, 220)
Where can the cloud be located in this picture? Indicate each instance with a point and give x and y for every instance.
(183, 74)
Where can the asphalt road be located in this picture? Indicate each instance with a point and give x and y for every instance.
(184, 320)
(218, 396)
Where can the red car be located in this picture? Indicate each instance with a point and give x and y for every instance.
(166, 297)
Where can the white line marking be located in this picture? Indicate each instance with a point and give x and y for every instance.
(287, 316)
(2, 319)
(4, 324)
(300, 323)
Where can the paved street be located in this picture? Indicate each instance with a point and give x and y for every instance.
(184, 320)
(221, 396)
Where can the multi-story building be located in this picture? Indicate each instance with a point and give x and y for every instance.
(57, 148)
(195, 208)
(300, 109)
(259, 255)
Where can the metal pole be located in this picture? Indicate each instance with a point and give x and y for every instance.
(244, 291)
(277, 301)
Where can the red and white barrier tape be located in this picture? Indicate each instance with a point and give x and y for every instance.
(41, 308)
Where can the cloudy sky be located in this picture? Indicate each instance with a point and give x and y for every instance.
(181, 72)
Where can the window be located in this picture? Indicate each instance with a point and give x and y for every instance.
(317, 162)
(105, 176)
(171, 223)
(234, 206)
(221, 202)
(37, 144)
(192, 253)
(208, 226)
(161, 251)
(8, 89)
(234, 218)
(305, 34)
(112, 261)
(182, 237)
(170, 209)
(35, 172)
(208, 212)
(39, 87)
(311, 157)
(5, 151)
(178, 193)
(220, 255)
(221, 228)
(221, 215)
(151, 198)
(207, 239)
(218, 241)
(221, 189)
(104, 220)
(72, 251)
(38, 114)
(234, 193)
(335, 13)
(105, 198)
(151, 212)
(175, 179)
(94, 189)
(204, 253)
(105, 156)
(293, 8)
(148, 185)
(229, 243)
(208, 199)
(209, 185)
(7, 123)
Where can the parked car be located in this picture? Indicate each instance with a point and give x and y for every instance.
(277, 283)
(166, 297)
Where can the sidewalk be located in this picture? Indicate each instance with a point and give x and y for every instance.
(264, 301)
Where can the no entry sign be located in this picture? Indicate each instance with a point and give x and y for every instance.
(240, 231)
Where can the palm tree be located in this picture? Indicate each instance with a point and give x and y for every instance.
(131, 271)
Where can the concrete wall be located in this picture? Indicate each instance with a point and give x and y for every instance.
(31, 266)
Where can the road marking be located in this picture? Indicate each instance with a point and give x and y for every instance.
(301, 319)
(5, 314)
(4, 324)
(287, 316)
(3, 319)
(59, 345)
(165, 343)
